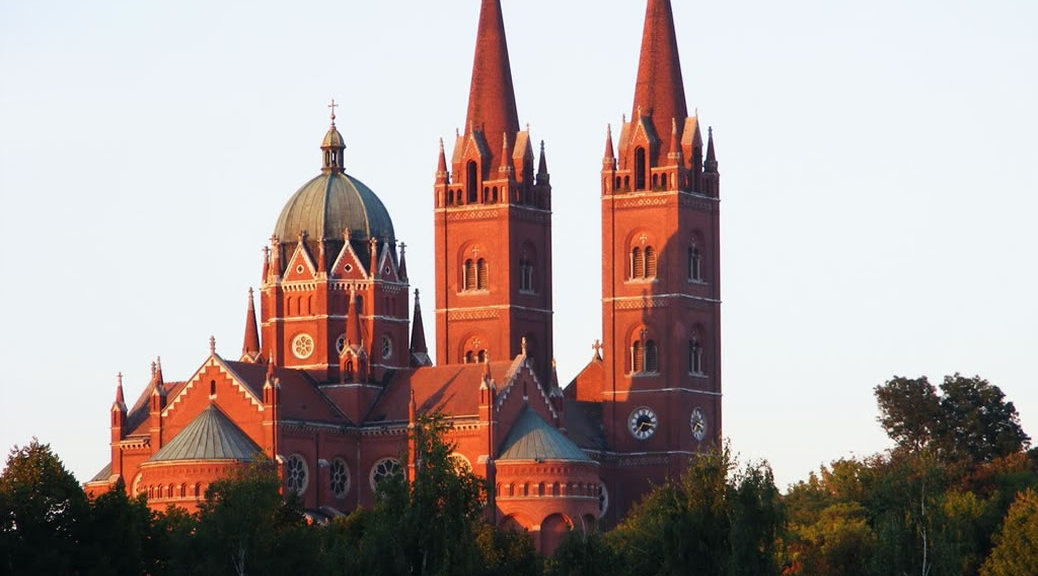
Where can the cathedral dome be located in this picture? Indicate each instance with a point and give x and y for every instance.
(334, 202)
(328, 205)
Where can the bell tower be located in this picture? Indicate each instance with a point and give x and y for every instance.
(493, 223)
(661, 389)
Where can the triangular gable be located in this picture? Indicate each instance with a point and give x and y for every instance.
(197, 382)
(523, 153)
(386, 266)
(348, 266)
(300, 266)
(521, 368)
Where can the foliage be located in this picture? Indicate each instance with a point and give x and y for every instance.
(581, 554)
(969, 422)
(44, 515)
(707, 522)
(1016, 544)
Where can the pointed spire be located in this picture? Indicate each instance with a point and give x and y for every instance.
(491, 95)
(506, 154)
(158, 371)
(542, 167)
(418, 329)
(711, 157)
(609, 158)
(251, 345)
(353, 321)
(659, 91)
(402, 268)
(441, 166)
(119, 400)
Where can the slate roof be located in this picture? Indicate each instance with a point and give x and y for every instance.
(103, 475)
(300, 397)
(584, 425)
(210, 436)
(532, 438)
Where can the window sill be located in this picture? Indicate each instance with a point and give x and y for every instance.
(698, 281)
(699, 374)
(474, 292)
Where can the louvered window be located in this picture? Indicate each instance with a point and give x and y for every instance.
(651, 357)
(650, 262)
(637, 358)
(637, 264)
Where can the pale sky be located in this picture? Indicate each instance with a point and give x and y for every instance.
(878, 182)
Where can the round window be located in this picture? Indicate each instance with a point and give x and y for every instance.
(340, 343)
(340, 478)
(603, 500)
(384, 469)
(296, 474)
(303, 346)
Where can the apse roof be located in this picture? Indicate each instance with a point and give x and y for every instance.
(210, 436)
(532, 438)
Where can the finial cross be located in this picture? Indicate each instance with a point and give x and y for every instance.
(597, 347)
(333, 106)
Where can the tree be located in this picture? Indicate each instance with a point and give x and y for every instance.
(969, 422)
(581, 554)
(1016, 544)
(244, 525)
(43, 514)
(701, 522)
(120, 534)
(431, 524)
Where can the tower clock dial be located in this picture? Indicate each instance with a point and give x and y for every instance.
(642, 423)
(698, 423)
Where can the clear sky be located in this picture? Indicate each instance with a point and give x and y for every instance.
(878, 180)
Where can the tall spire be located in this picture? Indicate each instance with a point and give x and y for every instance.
(418, 329)
(659, 91)
(251, 345)
(491, 97)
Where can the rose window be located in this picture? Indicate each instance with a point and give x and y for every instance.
(340, 478)
(384, 469)
(303, 346)
(295, 474)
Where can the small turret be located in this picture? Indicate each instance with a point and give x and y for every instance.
(419, 351)
(402, 268)
(609, 158)
(441, 167)
(711, 156)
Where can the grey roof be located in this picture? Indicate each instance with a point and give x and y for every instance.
(328, 205)
(531, 438)
(103, 475)
(210, 436)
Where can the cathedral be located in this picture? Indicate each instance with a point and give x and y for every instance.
(335, 368)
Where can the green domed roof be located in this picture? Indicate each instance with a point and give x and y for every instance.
(532, 438)
(330, 204)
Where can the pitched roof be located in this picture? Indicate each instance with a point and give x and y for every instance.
(210, 436)
(532, 438)
(584, 424)
(103, 475)
(452, 389)
(300, 398)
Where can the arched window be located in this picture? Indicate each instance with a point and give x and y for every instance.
(468, 276)
(470, 182)
(651, 357)
(655, 181)
(639, 169)
(663, 181)
(469, 357)
(525, 274)
(637, 358)
(450, 197)
(493, 195)
(650, 262)
(340, 478)
(695, 356)
(482, 276)
(482, 356)
(212, 388)
(637, 264)
(695, 264)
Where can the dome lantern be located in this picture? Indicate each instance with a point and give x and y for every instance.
(333, 146)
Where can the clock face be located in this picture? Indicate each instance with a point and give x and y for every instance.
(642, 423)
(698, 422)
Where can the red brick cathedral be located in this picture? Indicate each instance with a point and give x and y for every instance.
(333, 372)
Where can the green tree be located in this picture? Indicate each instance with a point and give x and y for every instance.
(431, 524)
(246, 527)
(969, 422)
(44, 514)
(581, 554)
(756, 519)
(120, 534)
(1016, 544)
